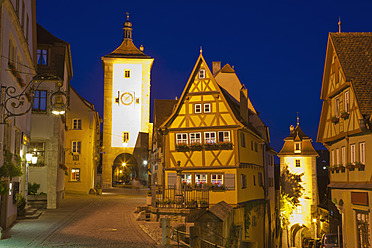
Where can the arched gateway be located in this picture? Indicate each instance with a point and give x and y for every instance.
(124, 169)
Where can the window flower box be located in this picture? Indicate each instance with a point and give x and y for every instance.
(182, 147)
(217, 187)
(16, 74)
(211, 146)
(350, 166)
(340, 167)
(344, 115)
(226, 145)
(335, 119)
(196, 146)
(359, 166)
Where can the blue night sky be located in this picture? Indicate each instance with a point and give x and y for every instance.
(277, 47)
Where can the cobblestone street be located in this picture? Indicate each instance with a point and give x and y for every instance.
(85, 221)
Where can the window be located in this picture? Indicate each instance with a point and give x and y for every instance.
(76, 146)
(207, 107)
(210, 137)
(195, 138)
(337, 156)
(242, 139)
(125, 137)
(298, 163)
(362, 152)
(337, 109)
(260, 181)
(255, 146)
(197, 108)
(186, 178)
(352, 153)
(200, 178)
(333, 157)
(363, 229)
(223, 136)
(38, 149)
(244, 181)
(40, 101)
(76, 124)
(347, 102)
(217, 179)
(126, 73)
(299, 209)
(181, 138)
(75, 174)
(202, 73)
(252, 145)
(254, 180)
(42, 56)
(343, 156)
(297, 147)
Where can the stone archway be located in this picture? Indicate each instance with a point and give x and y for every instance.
(124, 169)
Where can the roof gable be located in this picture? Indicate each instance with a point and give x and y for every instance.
(354, 51)
(195, 87)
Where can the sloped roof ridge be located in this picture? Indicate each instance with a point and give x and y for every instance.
(86, 102)
(51, 37)
(127, 49)
(354, 51)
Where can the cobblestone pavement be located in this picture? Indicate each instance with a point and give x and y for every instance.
(85, 221)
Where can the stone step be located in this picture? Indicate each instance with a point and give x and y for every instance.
(29, 217)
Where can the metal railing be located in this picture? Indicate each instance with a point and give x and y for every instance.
(189, 198)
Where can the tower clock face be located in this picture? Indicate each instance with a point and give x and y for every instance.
(127, 98)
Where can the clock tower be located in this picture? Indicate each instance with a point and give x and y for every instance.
(126, 106)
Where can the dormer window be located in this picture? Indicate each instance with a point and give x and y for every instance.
(202, 73)
(297, 147)
(126, 73)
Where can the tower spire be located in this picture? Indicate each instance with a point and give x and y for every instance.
(339, 24)
(127, 29)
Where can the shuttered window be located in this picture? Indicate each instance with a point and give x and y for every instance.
(230, 181)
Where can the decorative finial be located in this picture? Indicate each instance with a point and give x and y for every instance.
(339, 24)
(127, 13)
(298, 120)
(201, 49)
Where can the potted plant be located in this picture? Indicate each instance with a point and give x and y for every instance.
(344, 115)
(335, 119)
(341, 168)
(332, 168)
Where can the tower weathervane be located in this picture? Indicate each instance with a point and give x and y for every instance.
(127, 13)
(298, 120)
(339, 24)
(201, 49)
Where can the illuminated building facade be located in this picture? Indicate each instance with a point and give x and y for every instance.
(126, 108)
(216, 138)
(82, 144)
(299, 155)
(345, 130)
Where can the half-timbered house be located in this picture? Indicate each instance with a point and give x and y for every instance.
(344, 128)
(215, 137)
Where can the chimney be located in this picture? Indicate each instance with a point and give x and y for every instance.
(216, 66)
(244, 112)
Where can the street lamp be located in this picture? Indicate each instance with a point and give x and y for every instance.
(12, 103)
